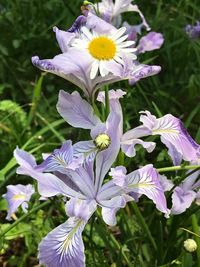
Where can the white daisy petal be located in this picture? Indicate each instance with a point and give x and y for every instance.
(118, 33)
(118, 59)
(121, 39)
(94, 69)
(126, 44)
(87, 33)
(102, 69)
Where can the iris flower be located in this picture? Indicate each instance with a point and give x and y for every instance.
(18, 195)
(94, 53)
(80, 114)
(85, 189)
(111, 11)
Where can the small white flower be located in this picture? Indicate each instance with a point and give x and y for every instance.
(190, 245)
(104, 49)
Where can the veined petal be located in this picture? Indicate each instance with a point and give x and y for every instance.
(142, 71)
(106, 158)
(181, 200)
(76, 111)
(173, 135)
(119, 174)
(110, 208)
(145, 181)
(63, 38)
(62, 159)
(64, 246)
(18, 195)
(48, 184)
(82, 209)
(128, 147)
(73, 66)
(151, 41)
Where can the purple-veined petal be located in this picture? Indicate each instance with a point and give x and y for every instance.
(149, 42)
(99, 25)
(18, 195)
(62, 159)
(108, 191)
(141, 71)
(64, 246)
(82, 209)
(128, 146)
(48, 184)
(119, 174)
(145, 181)
(110, 207)
(87, 148)
(114, 96)
(76, 111)
(181, 200)
(78, 23)
(122, 6)
(63, 38)
(173, 135)
(106, 158)
(166, 184)
(73, 66)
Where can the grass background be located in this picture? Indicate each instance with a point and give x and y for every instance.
(28, 118)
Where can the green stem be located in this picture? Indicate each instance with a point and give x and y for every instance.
(195, 227)
(107, 103)
(143, 224)
(178, 168)
(114, 241)
(24, 217)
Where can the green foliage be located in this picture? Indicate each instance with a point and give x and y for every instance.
(28, 118)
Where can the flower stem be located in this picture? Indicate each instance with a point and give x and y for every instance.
(23, 217)
(143, 224)
(107, 104)
(178, 168)
(196, 228)
(114, 241)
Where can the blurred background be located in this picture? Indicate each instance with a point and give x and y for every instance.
(28, 116)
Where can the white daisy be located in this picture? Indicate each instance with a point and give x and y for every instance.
(104, 49)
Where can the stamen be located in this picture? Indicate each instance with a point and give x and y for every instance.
(102, 141)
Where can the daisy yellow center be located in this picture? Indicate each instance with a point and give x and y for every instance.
(102, 48)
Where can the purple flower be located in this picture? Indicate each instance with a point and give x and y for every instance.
(149, 42)
(94, 53)
(18, 195)
(173, 134)
(84, 187)
(62, 159)
(184, 194)
(131, 138)
(111, 11)
(193, 31)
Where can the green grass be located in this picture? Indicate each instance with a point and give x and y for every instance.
(28, 118)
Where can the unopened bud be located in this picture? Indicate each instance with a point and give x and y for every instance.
(190, 245)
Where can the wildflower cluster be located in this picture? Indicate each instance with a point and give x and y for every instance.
(99, 49)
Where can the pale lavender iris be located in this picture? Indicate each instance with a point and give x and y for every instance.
(193, 31)
(111, 11)
(150, 42)
(84, 187)
(18, 195)
(131, 138)
(173, 134)
(62, 159)
(80, 65)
